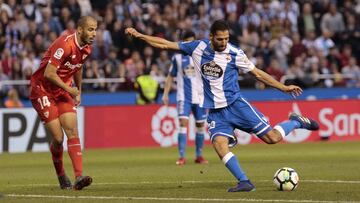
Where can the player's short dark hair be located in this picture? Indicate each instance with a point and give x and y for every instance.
(83, 20)
(187, 34)
(219, 25)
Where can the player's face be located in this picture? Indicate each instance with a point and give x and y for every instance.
(88, 32)
(219, 40)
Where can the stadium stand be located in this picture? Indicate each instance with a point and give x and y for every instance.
(308, 43)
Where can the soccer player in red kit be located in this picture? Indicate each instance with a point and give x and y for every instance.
(55, 98)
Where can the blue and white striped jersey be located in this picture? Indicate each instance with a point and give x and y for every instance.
(216, 72)
(182, 67)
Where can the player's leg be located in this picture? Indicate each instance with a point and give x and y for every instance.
(253, 121)
(284, 128)
(48, 113)
(200, 117)
(183, 109)
(56, 149)
(68, 120)
(182, 140)
(56, 146)
(222, 137)
(69, 124)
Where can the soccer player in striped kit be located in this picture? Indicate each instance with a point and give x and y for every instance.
(217, 64)
(182, 67)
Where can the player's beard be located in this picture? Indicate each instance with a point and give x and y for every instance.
(90, 41)
(86, 39)
(219, 48)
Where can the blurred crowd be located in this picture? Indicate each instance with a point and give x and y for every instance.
(314, 43)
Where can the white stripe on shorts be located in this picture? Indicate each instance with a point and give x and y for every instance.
(254, 111)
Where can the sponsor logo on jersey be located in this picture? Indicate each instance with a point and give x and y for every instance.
(73, 66)
(59, 53)
(211, 70)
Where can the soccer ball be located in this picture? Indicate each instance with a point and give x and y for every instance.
(286, 179)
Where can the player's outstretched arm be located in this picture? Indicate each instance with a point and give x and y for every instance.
(51, 75)
(153, 41)
(268, 80)
(168, 83)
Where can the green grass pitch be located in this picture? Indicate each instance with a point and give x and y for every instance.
(329, 172)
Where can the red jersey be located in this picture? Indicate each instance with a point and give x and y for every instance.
(68, 57)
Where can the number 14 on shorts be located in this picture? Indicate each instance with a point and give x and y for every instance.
(44, 101)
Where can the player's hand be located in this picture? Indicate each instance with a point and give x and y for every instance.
(131, 31)
(74, 91)
(77, 100)
(165, 99)
(293, 90)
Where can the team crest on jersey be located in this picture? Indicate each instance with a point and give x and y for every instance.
(46, 114)
(84, 56)
(211, 70)
(59, 53)
(228, 57)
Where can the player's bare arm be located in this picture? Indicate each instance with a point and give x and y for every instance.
(78, 83)
(168, 83)
(156, 42)
(268, 80)
(51, 75)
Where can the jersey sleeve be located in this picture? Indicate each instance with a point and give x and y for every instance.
(59, 51)
(243, 63)
(173, 67)
(188, 47)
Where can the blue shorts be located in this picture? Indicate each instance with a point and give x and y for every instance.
(241, 115)
(185, 108)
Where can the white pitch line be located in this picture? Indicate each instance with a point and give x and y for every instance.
(172, 199)
(186, 181)
(332, 181)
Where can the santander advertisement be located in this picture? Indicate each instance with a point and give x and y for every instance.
(155, 125)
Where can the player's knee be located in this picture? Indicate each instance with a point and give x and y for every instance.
(183, 122)
(71, 132)
(272, 138)
(221, 146)
(220, 142)
(200, 124)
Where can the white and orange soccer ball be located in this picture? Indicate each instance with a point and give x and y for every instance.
(286, 179)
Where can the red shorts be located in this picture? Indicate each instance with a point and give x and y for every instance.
(50, 108)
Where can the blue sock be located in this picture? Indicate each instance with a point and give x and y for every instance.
(199, 143)
(182, 144)
(233, 165)
(287, 126)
